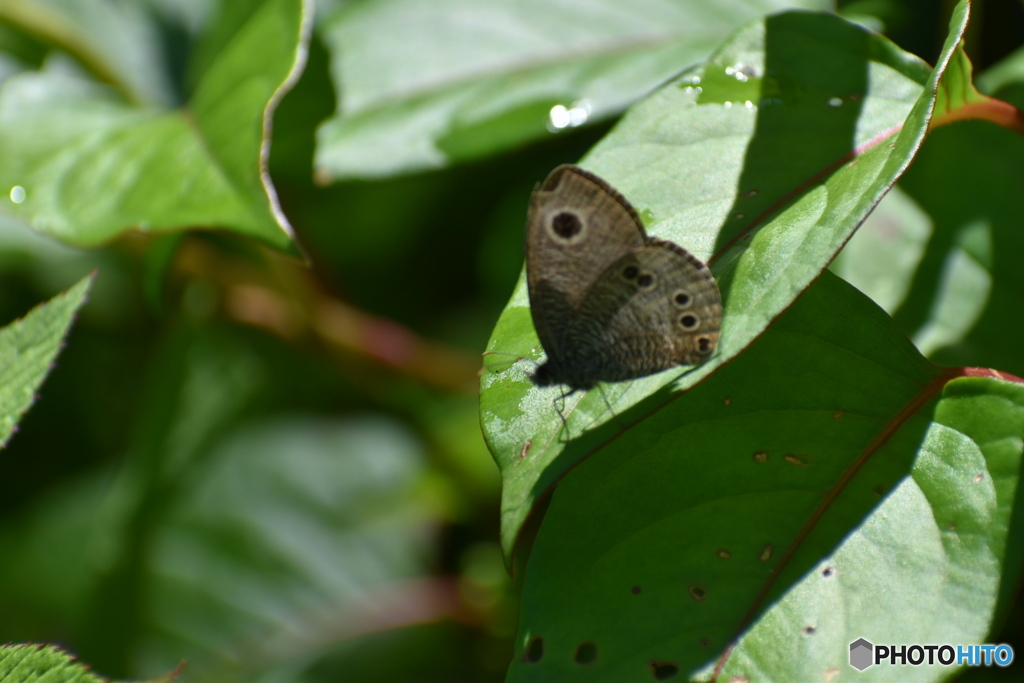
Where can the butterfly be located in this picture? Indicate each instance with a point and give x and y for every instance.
(610, 303)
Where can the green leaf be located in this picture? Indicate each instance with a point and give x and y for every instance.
(268, 555)
(28, 349)
(933, 257)
(200, 385)
(963, 306)
(424, 86)
(241, 543)
(763, 161)
(44, 664)
(793, 502)
(881, 257)
(1005, 79)
(85, 160)
(117, 42)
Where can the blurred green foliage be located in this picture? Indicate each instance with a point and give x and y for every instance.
(272, 467)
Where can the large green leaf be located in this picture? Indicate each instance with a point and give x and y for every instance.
(86, 152)
(825, 481)
(28, 348)
(763, 161)
(426, 85)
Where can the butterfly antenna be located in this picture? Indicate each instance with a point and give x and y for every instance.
(608, 404)
(560, 408)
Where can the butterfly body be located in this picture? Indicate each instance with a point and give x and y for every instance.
(608, 302)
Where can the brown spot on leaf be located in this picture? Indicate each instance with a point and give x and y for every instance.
(798, 459)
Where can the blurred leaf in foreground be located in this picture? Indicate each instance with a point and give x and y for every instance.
(28, 348)
(427, 85)
(85, 153)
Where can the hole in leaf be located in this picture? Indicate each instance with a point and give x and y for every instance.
(698, 593)
(586, 653)
(534, 651)
(664, 670)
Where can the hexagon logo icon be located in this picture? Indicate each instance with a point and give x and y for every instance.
(860, 654)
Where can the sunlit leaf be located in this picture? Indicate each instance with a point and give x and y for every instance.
(963, 306)
(427, 85)
(763, 161)
(85, 154)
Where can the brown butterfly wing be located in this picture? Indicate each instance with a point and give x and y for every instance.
(654, 308)
(577, 225)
